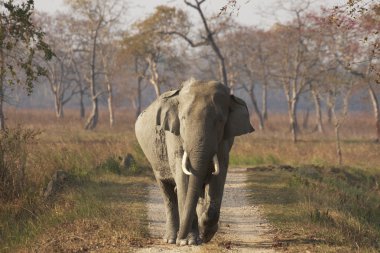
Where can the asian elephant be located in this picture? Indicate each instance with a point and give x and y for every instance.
(187, 134)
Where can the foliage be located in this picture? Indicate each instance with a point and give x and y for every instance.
(150, 33)
(20, 40)
(362, 18)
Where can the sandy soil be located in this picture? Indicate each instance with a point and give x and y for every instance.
(242, 229)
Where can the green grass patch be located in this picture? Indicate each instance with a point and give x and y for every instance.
(321, 209)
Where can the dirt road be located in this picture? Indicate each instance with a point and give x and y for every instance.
(242, 229)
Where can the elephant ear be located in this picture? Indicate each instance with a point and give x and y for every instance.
(238, 120)
(167, 113)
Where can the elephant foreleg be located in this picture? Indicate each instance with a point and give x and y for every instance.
(172, 216)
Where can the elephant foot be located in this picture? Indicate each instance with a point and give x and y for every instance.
(170, 241)
(170, 238)
(207, 233)
(192, 239)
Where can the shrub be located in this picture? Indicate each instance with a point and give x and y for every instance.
(13, 156)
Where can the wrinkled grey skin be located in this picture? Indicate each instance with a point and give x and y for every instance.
(201, 119)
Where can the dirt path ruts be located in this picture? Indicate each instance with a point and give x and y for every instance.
(242, 229)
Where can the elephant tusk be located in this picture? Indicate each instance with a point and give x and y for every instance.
(184, 168)
(216, 165)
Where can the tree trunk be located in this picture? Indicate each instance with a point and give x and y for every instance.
(338, 123)
(292, 110)
(305, 122)
(376, 110)
(138, 106)
(329, 109)
(92, 120)
(2, 117)
(157, 89)
(264, 108)
(154, 79)
(82, 110)
(2, 71)
(256, 108)
(318, 112)
(110, 108)
(58, 107)
(110, 100)
(337, 143)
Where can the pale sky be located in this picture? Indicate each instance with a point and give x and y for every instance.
(252, 12)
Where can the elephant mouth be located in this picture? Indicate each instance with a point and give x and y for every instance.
(187, 171)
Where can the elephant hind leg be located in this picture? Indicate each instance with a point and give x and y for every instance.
(171, 206)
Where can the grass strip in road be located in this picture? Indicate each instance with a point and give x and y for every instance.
(320, 209)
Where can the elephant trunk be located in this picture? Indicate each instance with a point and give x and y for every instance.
(198, 166)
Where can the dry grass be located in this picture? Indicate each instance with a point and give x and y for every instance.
(90, 157)
(91, 160)
(319, 209)
(274, 146)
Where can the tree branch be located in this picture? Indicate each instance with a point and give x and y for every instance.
(188, 40)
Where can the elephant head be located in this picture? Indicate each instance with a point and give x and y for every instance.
(203, 115)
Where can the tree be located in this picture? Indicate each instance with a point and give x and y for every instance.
(60, 73)
(361, 54)
(20, 42)
(340, 87)
(96, 17)
(296, 64)
(209, 38)
(248, 55)
(152, 43)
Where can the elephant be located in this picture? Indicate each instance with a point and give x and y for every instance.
(186, 135)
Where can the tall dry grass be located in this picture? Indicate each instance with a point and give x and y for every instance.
(274, 145)
(63, 144)
(38, 144)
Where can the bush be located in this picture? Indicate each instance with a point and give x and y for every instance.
(13, 156)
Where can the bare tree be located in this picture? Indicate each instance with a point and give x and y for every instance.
(140, 72)
(359, 58)
(340, 87)
(296, 61)
(206, 39)
(60, 75)
(151, 42)
(97, 17)
(253, 63)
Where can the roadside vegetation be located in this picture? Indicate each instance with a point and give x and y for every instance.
(320, 209)
(99, 195)
(312, 202)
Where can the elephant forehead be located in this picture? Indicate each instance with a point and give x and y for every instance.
(203, 92)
